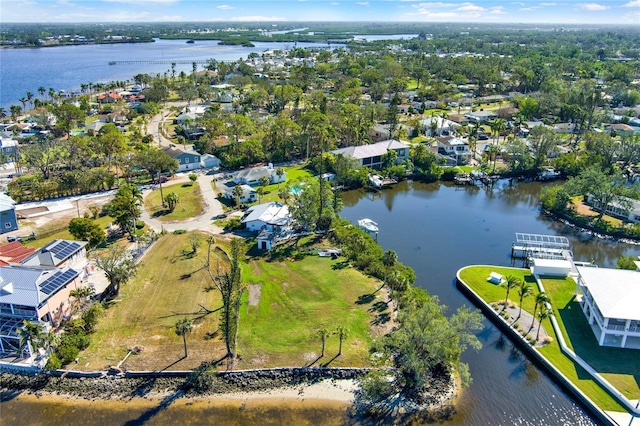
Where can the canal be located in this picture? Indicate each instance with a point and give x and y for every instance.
(438, 228)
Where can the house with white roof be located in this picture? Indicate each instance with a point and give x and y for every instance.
(371, 155)
(253, 175)
(632, 213)
(270, 220)
(441, 125)
(610, 301)
(456, 148)
(249, 194)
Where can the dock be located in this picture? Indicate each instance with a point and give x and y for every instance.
(165, 62)
(530, 246)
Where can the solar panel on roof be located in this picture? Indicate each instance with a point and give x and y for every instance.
(57, 280)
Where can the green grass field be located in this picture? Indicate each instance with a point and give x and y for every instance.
(190, 202)
(59, 230)
(561, 292)
(296, 299)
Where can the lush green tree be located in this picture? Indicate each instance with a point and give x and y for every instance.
(541, 140)
(193, 178)
(31, 336)
(604, 189)
(323, 333)
(315, 207)
(86, 229)
(125, 207)
(182, 328)
(627, 262)
(543, 314)
(156, 161)
(67, 115)
(118, 266)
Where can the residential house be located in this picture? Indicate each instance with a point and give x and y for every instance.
(564, 128)
(209, 161)
(253, 175)
(270, 220)
(481, 116)
(9, 147)
(14, 253)
(442, 126)
(8, 218)
(379, 132)
(186, 118)
(59, 254)
(621, 129)
(609, 300)
(32, 293)
(616, 209)
(188, 160)
(249, 195)
(109, 98)
(456, 148)
(371, 155)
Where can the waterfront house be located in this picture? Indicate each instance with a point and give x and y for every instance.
(8, 218)
(59, 253)
(456, 148)
(272, 222)
(32, 293)
(188, 160)
(632, 214)
(253, 175)
(371, 155)
(109, 98)
(609, 299)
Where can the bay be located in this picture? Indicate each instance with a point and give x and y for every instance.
(67, 67)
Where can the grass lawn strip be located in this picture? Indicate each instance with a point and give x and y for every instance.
(190, 202)
(476, 278)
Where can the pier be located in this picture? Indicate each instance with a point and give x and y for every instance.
(165, 62)
(530, 246)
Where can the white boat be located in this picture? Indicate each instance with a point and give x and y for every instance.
(368, 225)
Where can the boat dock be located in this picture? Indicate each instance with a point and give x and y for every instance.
(530, 246)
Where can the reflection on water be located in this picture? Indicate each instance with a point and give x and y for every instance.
(437, 228)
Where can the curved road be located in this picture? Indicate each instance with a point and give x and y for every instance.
(204, 222)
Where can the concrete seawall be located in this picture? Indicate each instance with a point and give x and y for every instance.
(535, 356)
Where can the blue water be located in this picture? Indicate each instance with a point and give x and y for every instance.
(67, 67)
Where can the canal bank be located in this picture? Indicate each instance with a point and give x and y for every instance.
(603, 417)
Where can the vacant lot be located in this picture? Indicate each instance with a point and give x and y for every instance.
(190, 202)
(291, 300)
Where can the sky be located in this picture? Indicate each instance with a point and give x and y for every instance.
(479, 11)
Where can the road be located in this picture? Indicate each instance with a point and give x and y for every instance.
(157, 122)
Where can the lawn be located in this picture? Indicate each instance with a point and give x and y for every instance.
(560, 291)
(59, 229)
(169, 286)
(190, 202)
(296, 299)
(295, 174)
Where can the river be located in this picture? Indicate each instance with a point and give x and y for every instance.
(436, 229)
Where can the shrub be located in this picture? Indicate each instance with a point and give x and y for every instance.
(233, 223)
(67, 353)
(53, 363)
(179, 231)
(139, 224)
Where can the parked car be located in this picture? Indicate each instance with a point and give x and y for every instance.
(12, 238)
(161, 179)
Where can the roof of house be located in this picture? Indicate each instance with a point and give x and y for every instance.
(623, 127)
(272, 213)
(481, 114)
(14, 252)
(451, 141)
(30, 286)
(54, 253)
(254, 173)
(175, 152)
(615, 291)
(371, 150)
(246, 189)
(6, 202)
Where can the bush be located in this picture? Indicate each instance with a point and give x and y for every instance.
(53, 363)
(233, 223)
(67, 353)
(179, 231)
(139, 224)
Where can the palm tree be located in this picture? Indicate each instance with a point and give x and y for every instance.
(15, 111)
(42, 90)
(3, 112)
(172, 200)
(511, 283)
(389, 259)
(342, 333)
(31, 335)
(542, 299)
(323, 333)
(542, 315)
(29, 97)
(23, 101)
(82, 295)
(183, 327)
(525, 290)
(237, 193)
(285, 194)
(260, 192)
(279, 173)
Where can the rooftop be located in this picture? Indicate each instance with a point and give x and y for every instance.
(270, 213)
(615, 291)
(371, 150)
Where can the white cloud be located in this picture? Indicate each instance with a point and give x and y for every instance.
(140, 2)
(633, 3)
(528, 9)
(592, 7)
(548, 4)
(633, 16)
(225, 7)
(435, 15)
(169, 18)
(362, 3)
(434, 5)
(470, 7)
(497, 10)
(518, 3)
(335, 3)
